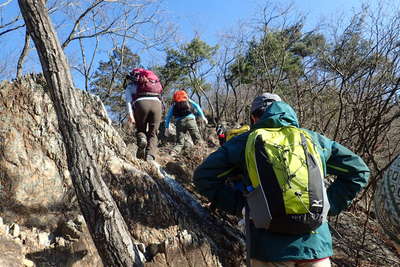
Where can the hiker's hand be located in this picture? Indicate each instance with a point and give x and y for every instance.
(167, 133)
(131, 119)
(205, 121)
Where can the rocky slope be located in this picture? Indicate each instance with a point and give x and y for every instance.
(41, 224)
(172, 228)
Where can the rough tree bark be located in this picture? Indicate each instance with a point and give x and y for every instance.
(107, 227)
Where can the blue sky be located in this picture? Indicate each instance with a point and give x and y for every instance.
(210, 18)
(207, 18)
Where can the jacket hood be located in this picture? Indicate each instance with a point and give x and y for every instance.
(278, 114)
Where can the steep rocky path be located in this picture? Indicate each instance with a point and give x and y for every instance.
(35, 188)
(41, 224)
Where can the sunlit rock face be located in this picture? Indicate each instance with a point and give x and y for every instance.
(33, 161)
(387, 200)
(33, 171)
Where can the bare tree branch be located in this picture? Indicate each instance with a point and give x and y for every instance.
(23, 55)
(12, 29)
(5, 3)
(76, 24)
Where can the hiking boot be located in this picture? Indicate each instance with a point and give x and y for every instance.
(141, 141)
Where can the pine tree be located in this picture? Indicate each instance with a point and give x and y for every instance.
(108, 80)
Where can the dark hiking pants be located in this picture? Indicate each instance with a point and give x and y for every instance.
(186, 125)
(148, 117)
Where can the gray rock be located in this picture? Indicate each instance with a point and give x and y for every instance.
(60, 242)
(44, 239)
(387, 201)
(14, 230)
(79, 223)
(23, 236)
(31, 147)
(28, 263)
(141, 247)
(70, 230)
(2, 226)
(10, 253)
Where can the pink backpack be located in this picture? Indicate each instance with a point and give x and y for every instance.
(147, 82)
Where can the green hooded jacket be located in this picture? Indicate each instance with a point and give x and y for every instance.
(229, 160)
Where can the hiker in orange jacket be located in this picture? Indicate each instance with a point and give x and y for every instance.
(184, 110)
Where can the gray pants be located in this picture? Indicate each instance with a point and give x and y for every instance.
(186, 125)
(147, 115)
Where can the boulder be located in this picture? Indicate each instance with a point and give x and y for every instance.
(33, 168)
(387, 200)
(11, 252)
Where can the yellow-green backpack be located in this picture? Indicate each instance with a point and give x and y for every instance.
(286, 174)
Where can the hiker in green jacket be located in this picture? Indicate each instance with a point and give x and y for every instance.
(271, 248)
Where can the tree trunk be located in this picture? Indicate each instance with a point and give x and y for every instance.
(107, 227)
(23, 55)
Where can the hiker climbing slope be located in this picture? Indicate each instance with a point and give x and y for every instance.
(142, 95)
(283, 168)
(224, 134)
(184, 110)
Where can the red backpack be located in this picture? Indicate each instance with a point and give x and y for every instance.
(147, 82)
